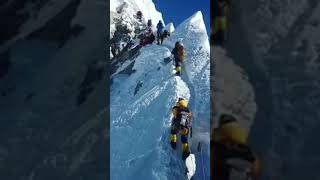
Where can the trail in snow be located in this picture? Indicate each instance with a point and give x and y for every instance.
(175, 158)
(193, 108)
(196, 74)
(196, 122)
(200, 169)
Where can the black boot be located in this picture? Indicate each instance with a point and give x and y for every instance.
(173, 145)
(185, 155)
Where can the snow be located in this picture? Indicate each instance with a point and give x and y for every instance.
(169, 27)
(147, 8)
(191, 33)
(140, 108)
(191, 166)
(127, 16)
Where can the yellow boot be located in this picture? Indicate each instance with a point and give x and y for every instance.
(185, 147)
(178, 70)
(185, 150)
(173, 141)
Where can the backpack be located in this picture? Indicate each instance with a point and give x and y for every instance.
(181, 53)
(183, 118)
(152, 38)
(165, 33)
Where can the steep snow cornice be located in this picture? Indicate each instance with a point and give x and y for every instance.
(192, 33)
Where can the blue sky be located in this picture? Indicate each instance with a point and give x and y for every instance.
(177, 11)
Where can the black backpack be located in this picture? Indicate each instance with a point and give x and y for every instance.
(165, 33)
(152, 38)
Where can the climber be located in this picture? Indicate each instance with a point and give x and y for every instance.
(113, 49)
(149, 23)
(231, 157)
(164, 35)
(139, 16)
(220, 13)
(147, 38)
(181, 123)
(178, 53)
(159, 31)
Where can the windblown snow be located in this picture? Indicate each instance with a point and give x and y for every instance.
(140, 108)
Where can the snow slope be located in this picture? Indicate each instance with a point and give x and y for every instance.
(141, 103)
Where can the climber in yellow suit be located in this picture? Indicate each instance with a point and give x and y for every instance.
(181, 123)
(229, 146)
